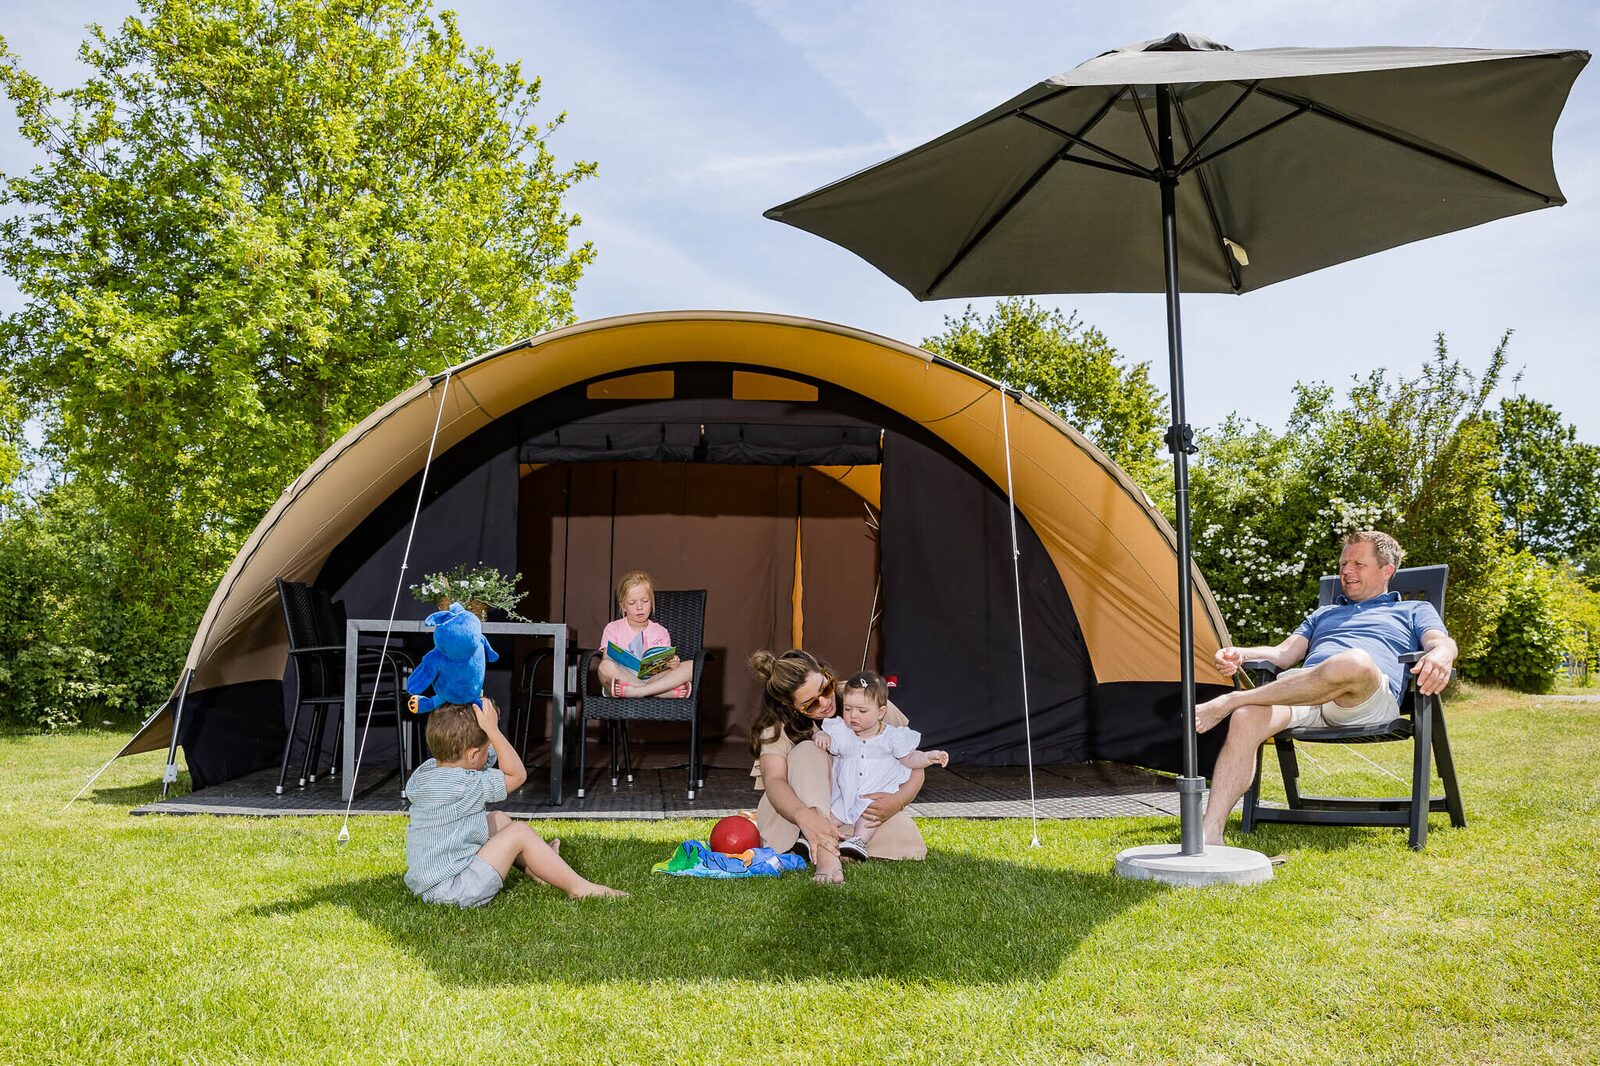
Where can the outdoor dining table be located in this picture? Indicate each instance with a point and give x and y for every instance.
(355, 627)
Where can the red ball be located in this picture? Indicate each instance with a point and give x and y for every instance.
(734, 834)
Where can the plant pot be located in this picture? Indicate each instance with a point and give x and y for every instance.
(477, 607)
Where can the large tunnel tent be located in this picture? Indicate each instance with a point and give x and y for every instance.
(823, 483)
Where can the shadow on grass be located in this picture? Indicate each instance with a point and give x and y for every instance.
(128, 796)
(953, 918)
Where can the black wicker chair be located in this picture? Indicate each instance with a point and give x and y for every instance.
(684, 615)
(1421, 721)
(316, 645)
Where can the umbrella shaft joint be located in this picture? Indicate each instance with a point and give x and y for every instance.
(1180, 438)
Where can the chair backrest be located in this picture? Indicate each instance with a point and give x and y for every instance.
(683, 612)
(1412, 583)
(300, 615)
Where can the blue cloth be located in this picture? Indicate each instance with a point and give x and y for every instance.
(1385, 627)
(694, 859)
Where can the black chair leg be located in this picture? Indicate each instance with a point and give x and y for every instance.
(627, 752)
(1447, 770)
(611, 728)
(583, 738)
(1422, 744)
(694, 753)
(1289, 766)
(313, 748)
(288, 747)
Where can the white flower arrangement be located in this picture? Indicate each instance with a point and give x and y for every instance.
(468, 584)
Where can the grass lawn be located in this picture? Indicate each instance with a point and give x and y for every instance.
(201, 939)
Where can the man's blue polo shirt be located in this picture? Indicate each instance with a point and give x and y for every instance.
(1385, 627)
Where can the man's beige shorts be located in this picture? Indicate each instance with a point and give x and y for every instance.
(1376, 709)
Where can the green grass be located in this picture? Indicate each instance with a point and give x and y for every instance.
(200, 939)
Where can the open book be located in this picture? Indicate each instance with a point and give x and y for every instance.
(648, 665)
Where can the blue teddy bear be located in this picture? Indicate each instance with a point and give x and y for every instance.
(455, 665)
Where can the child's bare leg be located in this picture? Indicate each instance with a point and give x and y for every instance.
(863, 830)
(498, 820)
(518, 844)
(665, 681)
(610, 673)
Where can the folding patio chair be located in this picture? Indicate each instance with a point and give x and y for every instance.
(684, 615)
(1421, 721)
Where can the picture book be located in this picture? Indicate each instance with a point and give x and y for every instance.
(651, 663)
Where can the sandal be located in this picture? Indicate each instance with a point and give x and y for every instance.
(679, 693)
(619, 688)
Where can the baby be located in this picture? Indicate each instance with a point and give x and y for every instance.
(869, 755)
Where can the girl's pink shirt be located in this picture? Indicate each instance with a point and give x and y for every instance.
(620, 632)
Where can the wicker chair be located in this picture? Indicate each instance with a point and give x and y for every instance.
(684, 615)
(316, 646)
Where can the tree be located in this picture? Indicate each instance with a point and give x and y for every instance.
(1072, 369)
(1549, 482)
(1413, 456)
(256, 221)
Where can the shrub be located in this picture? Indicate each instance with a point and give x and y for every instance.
(1532, 633)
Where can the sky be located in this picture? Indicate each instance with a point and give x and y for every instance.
(701, 114)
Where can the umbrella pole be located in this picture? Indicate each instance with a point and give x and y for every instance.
(1180, 441)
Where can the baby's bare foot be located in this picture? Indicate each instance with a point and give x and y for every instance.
(589, 888)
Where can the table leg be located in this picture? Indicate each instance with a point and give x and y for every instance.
(347, 772)
(558, 713)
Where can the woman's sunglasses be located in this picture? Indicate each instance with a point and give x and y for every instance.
(824, 694)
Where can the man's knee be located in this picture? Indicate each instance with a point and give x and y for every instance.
(1354, 670)
(1251, 725)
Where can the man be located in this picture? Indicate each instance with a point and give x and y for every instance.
(1352, 674)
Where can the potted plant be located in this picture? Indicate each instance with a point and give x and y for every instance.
(477, 588)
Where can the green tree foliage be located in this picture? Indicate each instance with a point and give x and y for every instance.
(1549, 482)
(255, 221)
(1413, 456)
(1074, 370)
(1531, 634)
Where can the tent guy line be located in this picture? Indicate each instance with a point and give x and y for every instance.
(394, 606)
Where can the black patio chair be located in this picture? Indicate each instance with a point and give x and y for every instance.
(1421, 721)
(532, 687)
(684, 615)
(316, 646)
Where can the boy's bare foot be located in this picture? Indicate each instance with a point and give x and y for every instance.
(589, 888)
(830, 874)
(555, 845)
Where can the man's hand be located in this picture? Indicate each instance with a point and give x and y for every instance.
(1228, 660)
(1432, 671)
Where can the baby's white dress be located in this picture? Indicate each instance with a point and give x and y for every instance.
(863, 766)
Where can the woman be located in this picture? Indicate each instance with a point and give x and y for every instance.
(798, 691)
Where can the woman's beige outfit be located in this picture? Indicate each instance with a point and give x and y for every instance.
(811, 776)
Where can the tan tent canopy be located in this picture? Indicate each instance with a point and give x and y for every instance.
(1113, 553)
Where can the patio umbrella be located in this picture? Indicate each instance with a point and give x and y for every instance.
(1182, 165)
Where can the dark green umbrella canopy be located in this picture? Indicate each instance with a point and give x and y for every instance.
(1301, 157)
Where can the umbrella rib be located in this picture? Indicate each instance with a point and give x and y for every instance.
(1112, 167)
(1078, 139)
(1183, 164)
(1205, 193)
(1016, 198)
(1231, 145)
(1138, 109)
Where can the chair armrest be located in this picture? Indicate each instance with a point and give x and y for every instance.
(1412, 656)
(1260, 666)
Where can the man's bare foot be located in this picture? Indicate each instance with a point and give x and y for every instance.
(1209, 713)
(830, 874)
(589, 888)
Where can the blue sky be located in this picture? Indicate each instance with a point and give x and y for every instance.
(701, 115)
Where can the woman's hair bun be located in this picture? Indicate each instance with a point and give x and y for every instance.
(761, 662)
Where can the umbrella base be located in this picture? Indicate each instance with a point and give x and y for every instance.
(1216, 865)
